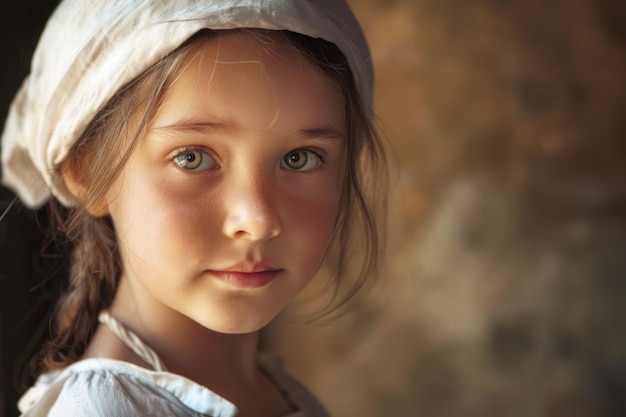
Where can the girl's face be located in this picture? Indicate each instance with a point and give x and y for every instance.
(226, 207)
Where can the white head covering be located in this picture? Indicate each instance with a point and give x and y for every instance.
(91, 48)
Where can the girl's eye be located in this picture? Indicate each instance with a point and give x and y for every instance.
(300, 160)
(194, 160)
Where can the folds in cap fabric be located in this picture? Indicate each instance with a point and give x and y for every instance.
(91, 48)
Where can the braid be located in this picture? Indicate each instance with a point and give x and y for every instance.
(93, 278)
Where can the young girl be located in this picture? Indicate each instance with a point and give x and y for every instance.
(213, 156)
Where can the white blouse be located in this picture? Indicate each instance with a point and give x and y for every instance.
(112, 388)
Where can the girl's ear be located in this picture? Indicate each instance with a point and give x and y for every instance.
(71, 177)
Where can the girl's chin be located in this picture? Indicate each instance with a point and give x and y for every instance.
(238, 325)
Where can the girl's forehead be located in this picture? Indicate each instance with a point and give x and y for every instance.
(232, 44)
(253, 82)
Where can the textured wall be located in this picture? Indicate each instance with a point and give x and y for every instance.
(503, 294)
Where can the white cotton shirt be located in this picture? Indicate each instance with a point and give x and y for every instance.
(112, 388)
(101, 387)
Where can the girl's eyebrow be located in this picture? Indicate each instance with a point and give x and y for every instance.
(325, 132)
(202, 126)
(191, 126)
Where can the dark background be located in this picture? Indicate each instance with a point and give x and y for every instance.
(504, 288)
(24, 301)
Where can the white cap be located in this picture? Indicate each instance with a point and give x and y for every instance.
(91, 48)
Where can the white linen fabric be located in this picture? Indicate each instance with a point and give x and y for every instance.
(101, 387)
(111, 388)
(91, 48)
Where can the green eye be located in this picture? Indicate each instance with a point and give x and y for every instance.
(300, 160)
(194, 160)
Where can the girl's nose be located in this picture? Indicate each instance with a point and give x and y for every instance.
(251, 212)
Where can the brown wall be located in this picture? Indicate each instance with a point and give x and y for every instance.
(504, 289)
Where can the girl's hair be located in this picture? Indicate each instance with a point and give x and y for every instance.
(102, 150)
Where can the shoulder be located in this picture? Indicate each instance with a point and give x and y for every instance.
(102, 387)
(89, 389)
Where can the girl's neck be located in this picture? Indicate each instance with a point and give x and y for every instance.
(184, 346)
(189, 349)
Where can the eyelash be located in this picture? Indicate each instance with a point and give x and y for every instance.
(191, 149)
(321, 159)
(320, 155)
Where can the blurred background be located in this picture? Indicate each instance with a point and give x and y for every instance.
(503, 292)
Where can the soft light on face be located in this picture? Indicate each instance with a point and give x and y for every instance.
(226, 207)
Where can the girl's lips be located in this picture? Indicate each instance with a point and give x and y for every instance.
(246, 279)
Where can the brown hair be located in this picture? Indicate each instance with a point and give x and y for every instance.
(102, 150)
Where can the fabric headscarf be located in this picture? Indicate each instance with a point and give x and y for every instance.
(91, 48)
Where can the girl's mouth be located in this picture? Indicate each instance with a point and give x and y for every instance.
(247, 274)
(251, 280)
